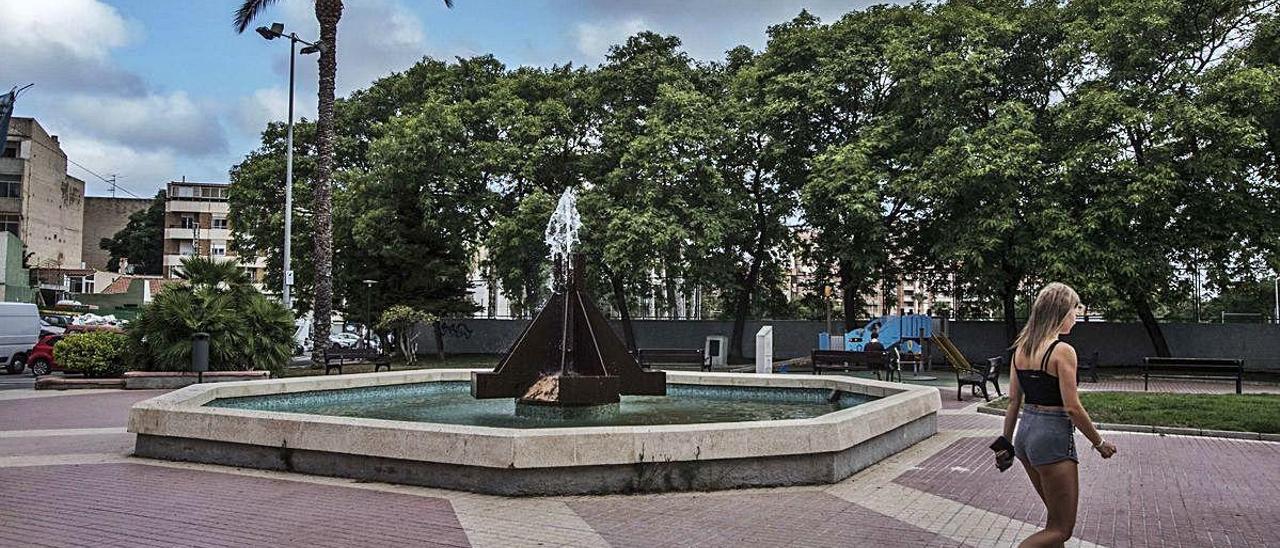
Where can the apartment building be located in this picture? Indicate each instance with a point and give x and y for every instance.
(39, 202)
(195, 223)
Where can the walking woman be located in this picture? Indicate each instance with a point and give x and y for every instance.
(1043, 387)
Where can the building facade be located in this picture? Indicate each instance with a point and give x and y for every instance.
(103, 218)
(39, 202)
(195, 224)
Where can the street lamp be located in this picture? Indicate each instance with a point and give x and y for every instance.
(368, 308)
(276, 30)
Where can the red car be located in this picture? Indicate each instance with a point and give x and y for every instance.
(40, 359)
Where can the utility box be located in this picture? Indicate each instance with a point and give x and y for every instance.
(716, 351)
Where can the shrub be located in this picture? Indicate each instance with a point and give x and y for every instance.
(246, 330)
(95, 354)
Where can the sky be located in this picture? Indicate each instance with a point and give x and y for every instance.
(158, 90)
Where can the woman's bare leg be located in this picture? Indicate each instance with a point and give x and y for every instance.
(1035, 478)
(1061, 484)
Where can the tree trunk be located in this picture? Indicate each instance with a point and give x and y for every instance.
(435, 328)
(1143, 307)
(328, 13)
(1008, 301)
(493, 295)
(742, 307)
(673, 310)
(620, 301)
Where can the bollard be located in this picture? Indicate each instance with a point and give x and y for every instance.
(764, 350)
(200, 355)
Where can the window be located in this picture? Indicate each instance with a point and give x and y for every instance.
(188, 221)
(218, 250)
(220, 222)
(80, 284)
(186, 249)
(185, 192)
(10, 223)
(10, 149)
(10, 186)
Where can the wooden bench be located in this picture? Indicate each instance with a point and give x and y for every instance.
(1193, 367)
(849, 360)
(648, 357)
(978, 376)
(335, 358)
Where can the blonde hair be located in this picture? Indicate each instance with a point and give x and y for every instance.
(1052, 305)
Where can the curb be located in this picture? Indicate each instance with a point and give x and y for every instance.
(1165, 430)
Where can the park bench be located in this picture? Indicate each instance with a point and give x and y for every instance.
(1088, 366)
(976, 377)
(849, 360)
(336, 357)
(1192, 368)
(648, 357)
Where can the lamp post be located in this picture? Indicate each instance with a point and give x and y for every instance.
(276, 30)
(368, 309)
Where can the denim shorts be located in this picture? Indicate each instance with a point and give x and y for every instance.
(1045, 436)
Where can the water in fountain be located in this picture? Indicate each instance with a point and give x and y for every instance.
(561, 235)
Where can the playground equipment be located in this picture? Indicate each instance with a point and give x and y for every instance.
(909, 335)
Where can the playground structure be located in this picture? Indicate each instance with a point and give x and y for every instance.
(909, 336)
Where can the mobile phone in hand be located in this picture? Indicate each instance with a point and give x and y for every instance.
(1004, 453)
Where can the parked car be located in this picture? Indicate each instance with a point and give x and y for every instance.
(344, 340)
(19, 331)
(41, 359)
(49, 329)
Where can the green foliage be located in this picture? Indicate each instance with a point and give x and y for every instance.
(141, 240)
(95, 354)
(246, 330)
(979, 148)
(402, 322)
(1234, 412)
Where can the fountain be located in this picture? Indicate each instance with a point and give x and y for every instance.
(568, 362)
(566, 411)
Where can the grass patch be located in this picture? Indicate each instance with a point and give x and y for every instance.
(1239, 413)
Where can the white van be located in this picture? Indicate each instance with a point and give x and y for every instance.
(19, 331)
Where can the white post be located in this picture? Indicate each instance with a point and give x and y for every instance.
(764, 350)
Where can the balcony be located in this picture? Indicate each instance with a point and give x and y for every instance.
(192, 206)
(11, 166)
(178, 233)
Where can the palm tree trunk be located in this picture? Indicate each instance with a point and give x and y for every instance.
(328, 13)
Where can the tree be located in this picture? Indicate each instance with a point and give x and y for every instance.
(328, 13)
(403, 322)
(254, 212)
(141, 240)
(1155, 158)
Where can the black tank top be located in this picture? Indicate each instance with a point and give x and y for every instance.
(1038, 386)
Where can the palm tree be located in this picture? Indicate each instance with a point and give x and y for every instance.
(328, 13)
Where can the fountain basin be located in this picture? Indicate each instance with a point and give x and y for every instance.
(538, 460)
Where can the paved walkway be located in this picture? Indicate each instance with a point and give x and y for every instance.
(66, 479)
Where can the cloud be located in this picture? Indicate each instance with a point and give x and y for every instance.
(255, 111)
(375, 38)
(171, 122)
(706, 28)
(593, 39)
(66, 44)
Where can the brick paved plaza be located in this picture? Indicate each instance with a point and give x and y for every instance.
(67, 479)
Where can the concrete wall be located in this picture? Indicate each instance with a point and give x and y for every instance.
(103, 218)
(1118, 344)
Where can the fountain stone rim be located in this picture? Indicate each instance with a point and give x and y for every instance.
(178, 426)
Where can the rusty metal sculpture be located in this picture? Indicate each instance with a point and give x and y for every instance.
(568, 356)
